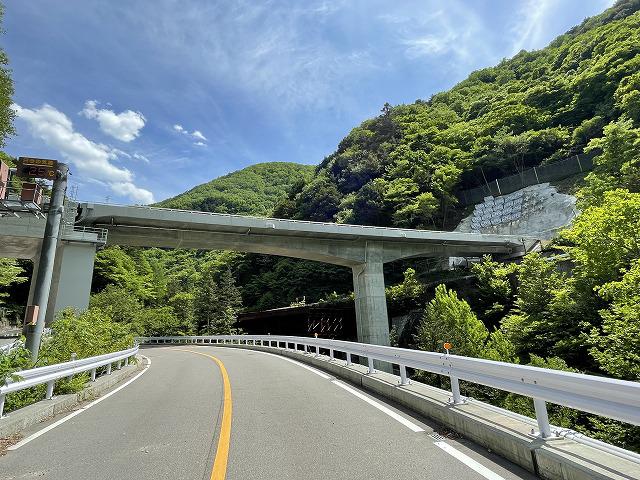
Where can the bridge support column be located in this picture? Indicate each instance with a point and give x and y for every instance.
(370, 301)
(71, 283)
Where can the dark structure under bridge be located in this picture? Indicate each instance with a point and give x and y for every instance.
(305, 320)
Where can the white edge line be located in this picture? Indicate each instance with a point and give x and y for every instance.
(311, 369)
(468, 461)
(407, 423)
(35, 435)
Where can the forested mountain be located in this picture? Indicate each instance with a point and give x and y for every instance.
(254, 190)
(403, 167)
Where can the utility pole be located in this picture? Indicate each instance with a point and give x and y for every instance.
(42, 286)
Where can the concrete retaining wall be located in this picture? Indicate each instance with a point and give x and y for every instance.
(506, 435)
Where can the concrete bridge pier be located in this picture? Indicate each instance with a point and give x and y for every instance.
(71, 280)
(370, 300)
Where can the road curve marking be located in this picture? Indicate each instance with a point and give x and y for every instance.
(35, 435)
(384, 409)
(219, 471)
(468, 461)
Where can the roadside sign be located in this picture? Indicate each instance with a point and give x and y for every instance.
(37, 168)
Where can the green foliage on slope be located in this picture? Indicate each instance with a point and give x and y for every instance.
(403, 167)
(254, 190)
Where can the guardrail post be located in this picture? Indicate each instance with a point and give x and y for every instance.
(349, 359)
(317, 351)
(93, 375)
(305, 349)
(403, 375)
(455, 390)
(50, 386)
(2, 395)
(295, 346)
(542, 417)
(119, 365)
(371, 369)
(109, 369)
(331, 354)
(126, 362)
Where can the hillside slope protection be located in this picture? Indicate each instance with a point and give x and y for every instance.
(254, 190)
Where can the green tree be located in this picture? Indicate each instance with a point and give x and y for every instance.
(159, 321)
(217, 303)
(496, 288)
(86, 334)
(117, 302)
(618, 166)
(551, 314)
(616, 345)
(11, 273)
(606, 238)
(450, 319)
(7, 114)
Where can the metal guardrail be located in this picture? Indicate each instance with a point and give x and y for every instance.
(50, 373)
(72, 232)
(608, 397)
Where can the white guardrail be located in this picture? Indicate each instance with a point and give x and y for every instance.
(50, 373)
(608, 397)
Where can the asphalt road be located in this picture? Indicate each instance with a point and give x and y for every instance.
(287, 422)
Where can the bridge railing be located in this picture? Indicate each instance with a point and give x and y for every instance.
(608, 397)
(50, 373)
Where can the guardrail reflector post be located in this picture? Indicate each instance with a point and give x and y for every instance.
(403, 375)
(2, 395)
(93, 375)
(348, 358)
(371, 369)
(455, 390)
(542, 417)
(50, 386)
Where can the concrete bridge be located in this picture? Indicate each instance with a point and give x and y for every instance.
(364, 249)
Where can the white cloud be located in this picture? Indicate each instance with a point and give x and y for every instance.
(128, 189)
(425, 46)
(529, 29)
(276, 50)
(196, 135)
(453, 31)
(92, 160)
(124, 126)
(142, 158)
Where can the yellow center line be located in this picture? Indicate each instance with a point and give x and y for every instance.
(219, 471)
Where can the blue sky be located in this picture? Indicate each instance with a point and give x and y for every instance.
(147, 98)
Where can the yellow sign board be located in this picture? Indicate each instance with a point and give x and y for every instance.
(37, 168)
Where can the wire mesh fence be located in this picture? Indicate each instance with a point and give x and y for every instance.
(541, 174)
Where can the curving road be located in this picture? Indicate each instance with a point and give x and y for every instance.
(287, 421)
